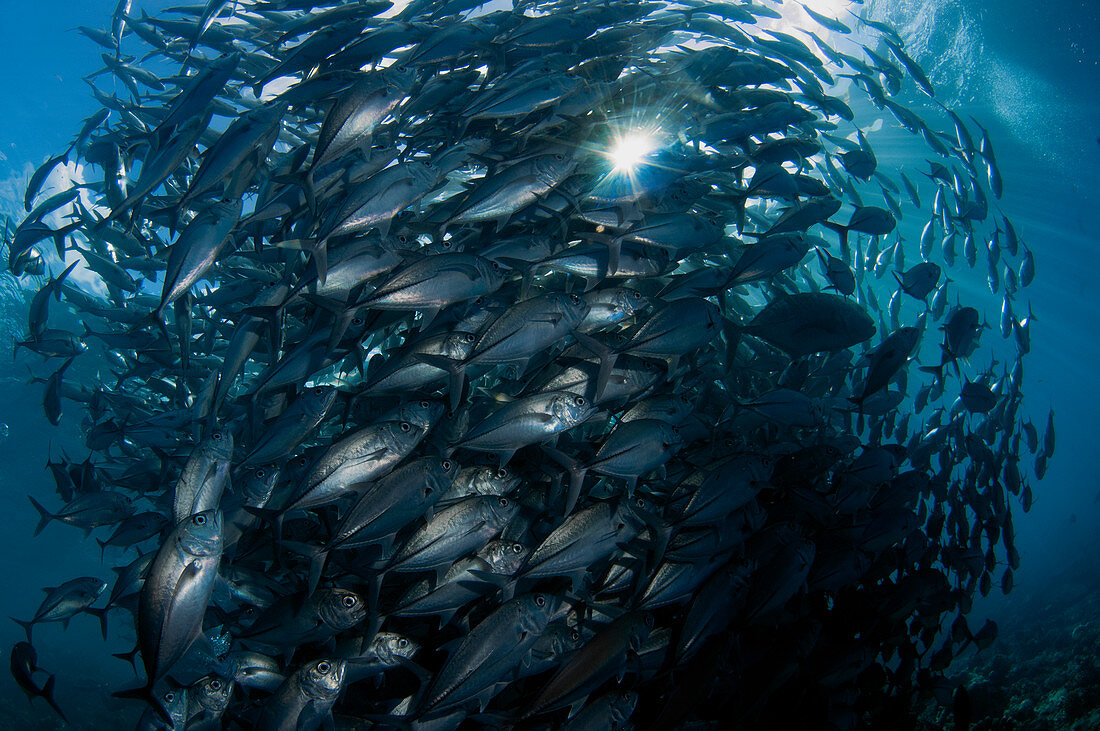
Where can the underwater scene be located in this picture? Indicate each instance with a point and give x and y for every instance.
(589, 364)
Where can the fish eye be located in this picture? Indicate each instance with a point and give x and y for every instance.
(502, 502)
(199, 520)
(574, 299)
(260, 473)
(350, 601)
(445, 244)
(357, 321)
(318, 391)
(517, 548)
(217, 436)
(641, 503)
(502, 473)
(215, 684)
(574, 635)
(446, 465)
(406, 426)
(559, 156)
(424, 404)
(402, 643)
(323, 667)
(468, 338)
(169, 697)
(579, 401)
(540, 600)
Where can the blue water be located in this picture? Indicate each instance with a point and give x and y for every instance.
(1030, 72)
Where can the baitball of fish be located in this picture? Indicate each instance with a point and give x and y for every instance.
(464, 366)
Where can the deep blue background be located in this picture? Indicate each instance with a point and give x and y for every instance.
(1029, 71)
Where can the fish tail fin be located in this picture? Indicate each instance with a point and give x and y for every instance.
(27, 626)
(145, 693)
(457, 370)
(577, 473)
(100, 614)
(936, 371)
(44, 516)
(130, 657)
(318, 556)
(607, 358)
(308, 187)
(47, 693)
(858, 403)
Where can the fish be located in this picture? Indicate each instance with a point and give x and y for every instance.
(24, 664)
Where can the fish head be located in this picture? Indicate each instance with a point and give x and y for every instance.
(174, 703)
(505, 557)
(212, 693)
(542, 608)
(423, 414)
(323, 679)
(319, 400)
(259, 484)
(571, 409)
(218, 447)
(500, 510)
(342, 609)
(458, 345)
(489, 480)
(492, 272)
(392, 647)
(630, 301)
(201, 534)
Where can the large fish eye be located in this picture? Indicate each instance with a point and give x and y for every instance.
(216, 436)
(574, 299)
(199, 520)
(357, 321)
(446, 465)
(323, 667)
(424, 404)
(318, 391)
(215, 684)
(468, 338)
(517, 548)
(350, 601)
(579, 401)
(445, 244)
(169, 697)
(574, 635)
(402, 643)
(559, 156)
(260, 474)
(502, 502)
(540, 600)
(406, 426)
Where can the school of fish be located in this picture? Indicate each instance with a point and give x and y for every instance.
(453, 366)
